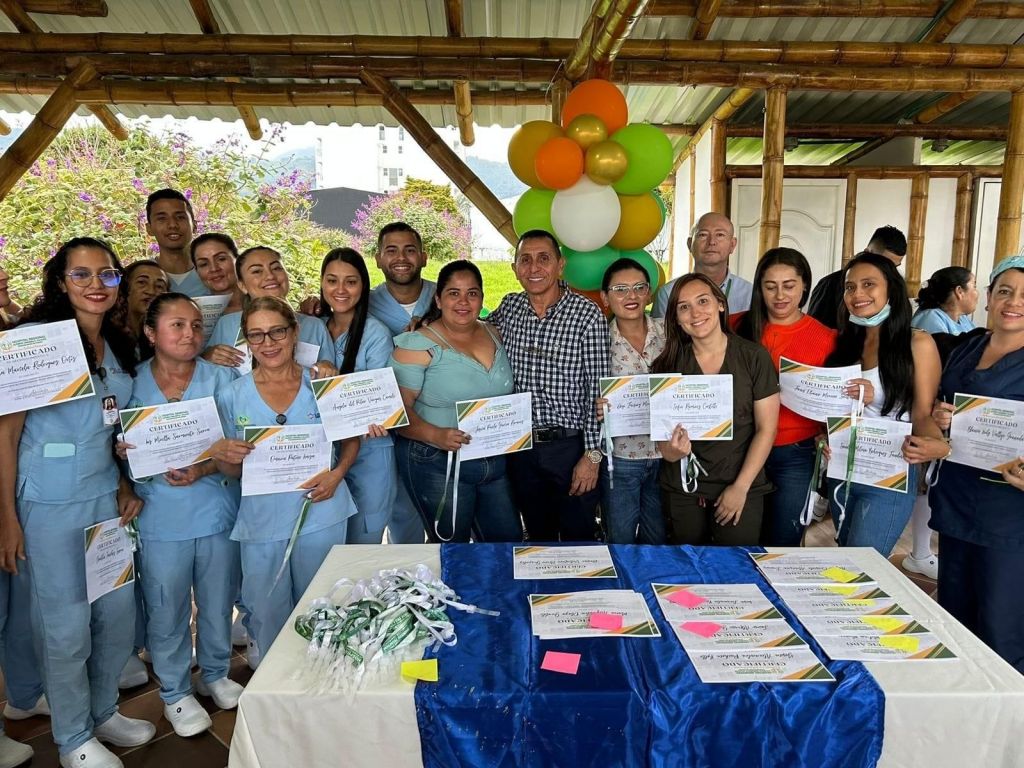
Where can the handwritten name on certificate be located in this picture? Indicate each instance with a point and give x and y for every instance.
(109, 564)
(878, 458)
(42, 365)
(986, 432)
(629, 405)
(284, 458)
(815, 393)
(170, 436)
(211, 307)
(350, 403)
(702, 404)
(497, 425)
(799, 665)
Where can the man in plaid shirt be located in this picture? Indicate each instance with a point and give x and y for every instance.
(557, 342)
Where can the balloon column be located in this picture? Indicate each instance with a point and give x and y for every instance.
(592, 182)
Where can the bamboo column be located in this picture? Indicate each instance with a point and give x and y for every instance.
(704, 16)
(718, 147)
(915, 232)
(452, 165)
(47, 123)
(951, 14)
(1011, 192)
(693, 191)
(5, 129)
(773, 157)
(962, 221)
(850, 218)
(463, 101)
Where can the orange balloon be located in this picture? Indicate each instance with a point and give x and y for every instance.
(523, 146)
(600, 98)
(559, 163)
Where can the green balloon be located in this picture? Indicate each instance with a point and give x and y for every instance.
(584, 270)
(650, 158)
(645, 260)
(533, 211)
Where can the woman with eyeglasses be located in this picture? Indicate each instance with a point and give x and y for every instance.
(630, 498)
(277, 393)
(60, 477)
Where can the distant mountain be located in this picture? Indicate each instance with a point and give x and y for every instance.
(302, 159)
(498, 177)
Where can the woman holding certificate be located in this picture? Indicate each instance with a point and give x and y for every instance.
(59, 478)
(979, 513)
(285, 526)
(713, 490)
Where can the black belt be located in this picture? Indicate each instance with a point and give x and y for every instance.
(549, 434)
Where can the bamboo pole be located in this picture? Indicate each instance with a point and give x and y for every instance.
(452, 165)
(1011, 191)
(704, 16)
(758, 9)
(861, 151)
(852, 131)
(945, 105)
(915, 232)
(618, 25)
(850, 218)
(89, 8)
(718, 152)
(5, 129)
(14, 11)
(946, 20)
(693, 191)
(961, 256)
(869, 172)
(722, 113)
(47, 123)
(463, 100)
(773, 158)
(577, 60)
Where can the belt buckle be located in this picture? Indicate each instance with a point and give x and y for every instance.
(543, 434)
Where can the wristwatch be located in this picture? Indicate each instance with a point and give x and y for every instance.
(594, 455)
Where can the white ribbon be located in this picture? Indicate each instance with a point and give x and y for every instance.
(439, 513)
(606, 440)
(690, 470)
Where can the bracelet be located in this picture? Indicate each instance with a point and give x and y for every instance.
(949, 444)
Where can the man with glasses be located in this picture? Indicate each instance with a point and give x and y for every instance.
(557, 342)
(171, 222)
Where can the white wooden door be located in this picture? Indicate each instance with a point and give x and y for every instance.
(983, 255)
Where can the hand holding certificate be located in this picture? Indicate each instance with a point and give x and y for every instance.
(350, 403)
(986, 432)
(109, 563)
(815, 393)
(629, 405)
(497, 425)
(211, 307)
(42, 365)
(170, 436)
(878, 452)
(702, 404)
(284, 458)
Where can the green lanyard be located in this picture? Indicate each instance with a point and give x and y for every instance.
(856, 413)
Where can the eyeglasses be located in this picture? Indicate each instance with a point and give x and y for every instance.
(640, 289)
(255, 338)
(82, 277)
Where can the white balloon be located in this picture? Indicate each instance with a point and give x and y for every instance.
(586, 215)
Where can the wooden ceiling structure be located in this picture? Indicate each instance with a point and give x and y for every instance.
(62, 58)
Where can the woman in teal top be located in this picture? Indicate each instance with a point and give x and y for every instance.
(457, 357)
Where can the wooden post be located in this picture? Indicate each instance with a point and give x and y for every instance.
(850, 218)
(1011, 192)
(718, 149)
(463, 101)
(693, 191)
(452, 165)
(27, 148)
(915, 232)
(962, 221)
(773, 158)
(703, 17)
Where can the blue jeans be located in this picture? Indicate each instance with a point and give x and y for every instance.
(632, 505)
(790, 468)
(875, 517)
(485, 496)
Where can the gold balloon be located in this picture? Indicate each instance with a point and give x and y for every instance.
(606, 162)
(586, 130)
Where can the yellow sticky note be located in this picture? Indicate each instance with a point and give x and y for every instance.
(907, 643)
(884, 623)
(839, 574)
(867, 601)
(838, 589)
(420, 670)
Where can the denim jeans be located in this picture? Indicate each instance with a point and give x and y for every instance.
(485, 497)
(632, 505)
(875, 517)
(789, 467)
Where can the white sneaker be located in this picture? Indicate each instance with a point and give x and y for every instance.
(134, 674)
(13, 752)
(239, 634)
(225, 692)
(187, 717)
(41, 707)
(124, 731)
(926, 566)
(92, 754)
(252, 655)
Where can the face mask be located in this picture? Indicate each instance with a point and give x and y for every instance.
(875, 320)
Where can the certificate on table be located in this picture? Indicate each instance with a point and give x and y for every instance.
(702, 404)
(815, 392)
(211, 307)
(864, 647)
(350, 403)
(798, 665)
(800, 592)
(593, 562)
(42, 365)
(710, 636)
(878, 459)
(986, 432)
(877, 606)
(497, 425)
(629, 405)
(862, 625)
(284, 458)
(109, 563)
(569, 614)
(721, 602)
(170, 436)
(809, 568)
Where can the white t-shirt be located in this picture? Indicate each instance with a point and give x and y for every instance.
(409, 307)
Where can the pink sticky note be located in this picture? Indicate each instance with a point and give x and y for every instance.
(702, 628)
(686, 598)
(610, 621)
(556, 661)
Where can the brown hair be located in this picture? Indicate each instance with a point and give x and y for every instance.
(675, 337)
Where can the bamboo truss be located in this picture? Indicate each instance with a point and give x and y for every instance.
(850, 218)
(463, 99)
(915, 231)
(773, 157)
(94, 8)
(947, 20)
(835, 9)
(869, 171)
(1011, 191)
(704, 16)
(961, 256)
(841, 131)
(719, 186)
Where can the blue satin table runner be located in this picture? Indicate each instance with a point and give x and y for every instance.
(635, 701)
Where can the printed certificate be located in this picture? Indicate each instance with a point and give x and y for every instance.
(497, 425)
(862, 625)
(109, 563)
(702, 404)
(211, 307)
(170, 436)
(710, 636)
(721, 602)
(562, 563)
(42, 365)
(798, 665)
(863, 647)
(350, 403)
(814, 392)
(568, 614)
(986, 432)
(629, 405)
(878, 460)
(809, 568)
(795, 593)
(852, 606)
(284, 458)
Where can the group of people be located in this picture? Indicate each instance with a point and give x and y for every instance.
(200, 540)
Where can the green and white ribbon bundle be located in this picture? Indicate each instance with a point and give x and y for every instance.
(379, 623)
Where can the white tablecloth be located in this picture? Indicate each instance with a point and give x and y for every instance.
(967, 713)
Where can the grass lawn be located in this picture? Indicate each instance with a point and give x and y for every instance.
(499, 278)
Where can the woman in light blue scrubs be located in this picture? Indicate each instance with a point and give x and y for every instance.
(362, 344)
(185, 529)
(60, 477)
(278, 393)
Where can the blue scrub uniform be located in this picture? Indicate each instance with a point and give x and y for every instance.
(190, 285)
(384, 308)
(67, 481)
(311, 330)
(186, 547)
(23, 680)
(264, 524)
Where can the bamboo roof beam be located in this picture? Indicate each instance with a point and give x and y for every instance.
(758, 9)
(86, 8)
(725, 110)
(858, 152)
(463, 100)
(577, 61)
(943, 106)
(1011, 191)
(454, 168)
(869, 171)
(841, 131)
(773, 159)
(704, 16)
(946, 20)
(617, 27)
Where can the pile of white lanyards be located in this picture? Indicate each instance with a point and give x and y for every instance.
(381, 622)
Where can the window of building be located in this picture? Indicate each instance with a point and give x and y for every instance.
(383, 149)
(380, 133)
(393, 174)
(401, 133)
(399, 149)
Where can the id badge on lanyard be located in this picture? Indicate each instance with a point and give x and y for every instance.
(108, 402)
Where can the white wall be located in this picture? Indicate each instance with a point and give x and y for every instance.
(880, 202)
(938, 226)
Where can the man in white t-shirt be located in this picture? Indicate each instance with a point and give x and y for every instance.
(171, 222)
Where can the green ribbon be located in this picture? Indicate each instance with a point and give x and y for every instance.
(856, 413)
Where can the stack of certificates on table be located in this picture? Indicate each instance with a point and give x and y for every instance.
(596, 613)
(846, 611)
